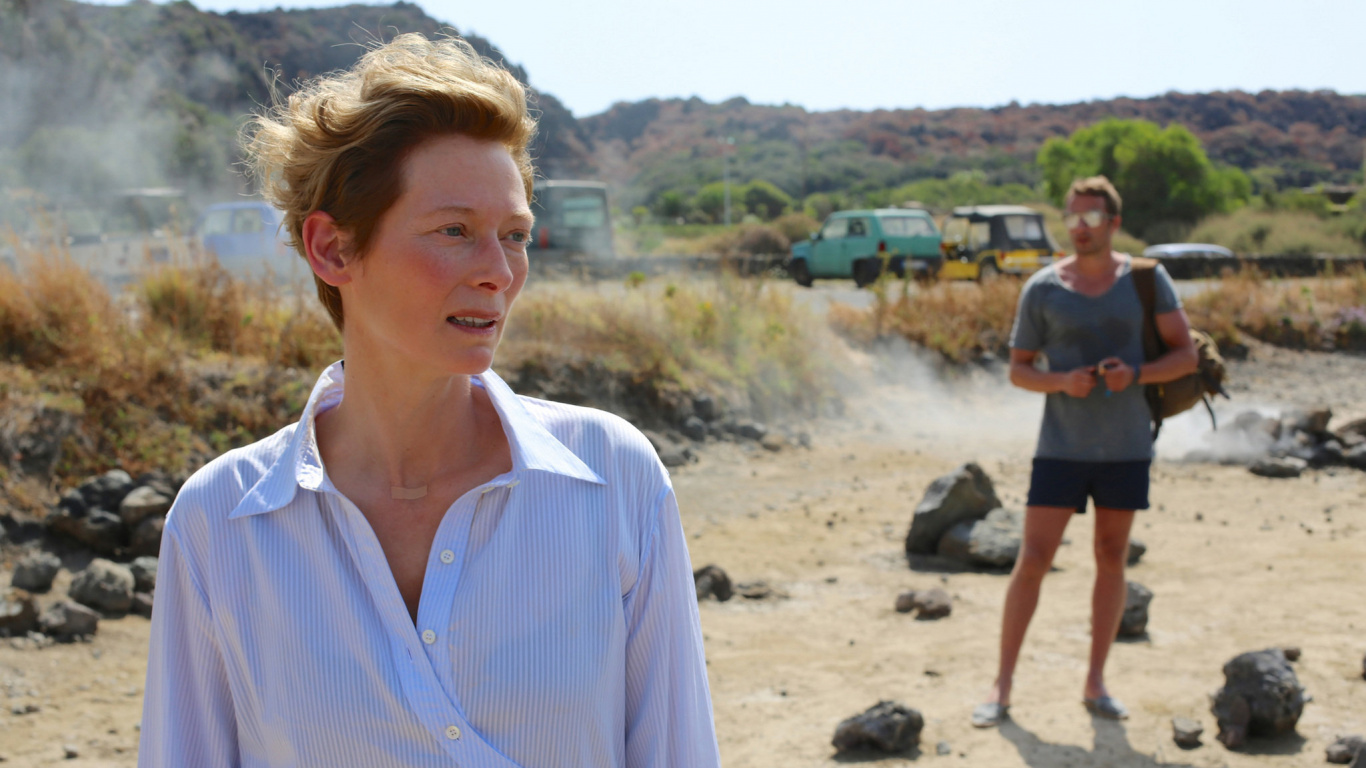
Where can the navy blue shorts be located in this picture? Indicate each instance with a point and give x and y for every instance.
(1110, 484)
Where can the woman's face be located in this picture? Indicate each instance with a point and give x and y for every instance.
(446, 261)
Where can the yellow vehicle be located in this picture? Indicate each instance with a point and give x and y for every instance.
(983, 241)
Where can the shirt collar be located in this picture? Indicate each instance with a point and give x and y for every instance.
(300, 465)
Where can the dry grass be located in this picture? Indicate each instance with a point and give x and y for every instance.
(147, 375)
(739, 338)
(958, 320)
(192, 361)
(1327, 313)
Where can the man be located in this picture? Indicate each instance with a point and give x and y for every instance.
(1083, 314)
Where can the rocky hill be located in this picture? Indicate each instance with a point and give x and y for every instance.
(96, 97)
(1297, 137)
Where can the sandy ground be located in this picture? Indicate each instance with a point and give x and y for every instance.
(1236, 562)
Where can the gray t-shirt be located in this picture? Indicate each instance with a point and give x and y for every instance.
(1074, 330)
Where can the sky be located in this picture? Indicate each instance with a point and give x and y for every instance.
(871, 54)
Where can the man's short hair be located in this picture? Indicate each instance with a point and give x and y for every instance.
(338, 144)
(1095, 186)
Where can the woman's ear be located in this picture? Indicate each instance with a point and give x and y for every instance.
(325, 248)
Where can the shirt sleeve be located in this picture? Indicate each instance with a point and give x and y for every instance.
(668, 703)
(1028, 333)
(1166, 299)
(187, 711)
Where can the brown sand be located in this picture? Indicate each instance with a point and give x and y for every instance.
(1272, 563)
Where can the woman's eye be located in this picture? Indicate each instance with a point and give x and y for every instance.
(520, 237)
(453, 231)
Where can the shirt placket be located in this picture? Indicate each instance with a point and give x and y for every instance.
(415, 656)
(445, 567)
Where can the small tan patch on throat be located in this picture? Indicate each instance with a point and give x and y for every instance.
(407, 494)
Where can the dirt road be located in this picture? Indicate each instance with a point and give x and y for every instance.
(1236, 562)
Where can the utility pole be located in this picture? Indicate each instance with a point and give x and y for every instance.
(725, 172)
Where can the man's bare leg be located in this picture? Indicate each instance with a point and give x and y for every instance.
(1043, 529)
(1107, 599)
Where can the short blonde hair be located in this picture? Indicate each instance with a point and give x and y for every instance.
(338, 143)
(1095, 186)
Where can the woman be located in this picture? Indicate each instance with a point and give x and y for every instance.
(425, 570)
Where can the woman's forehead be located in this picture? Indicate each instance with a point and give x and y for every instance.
(461, 172)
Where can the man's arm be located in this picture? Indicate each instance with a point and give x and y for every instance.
(1023, 374)
(1180, 358)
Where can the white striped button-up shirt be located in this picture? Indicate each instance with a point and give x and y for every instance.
(557, 626)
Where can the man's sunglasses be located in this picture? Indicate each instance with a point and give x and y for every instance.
(1092, 219)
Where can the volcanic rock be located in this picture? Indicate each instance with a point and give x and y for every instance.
(886, 726)
(931, 603)
(905, 602)
(1136, 551)
(105, 586)
(1288, 466)
(35, 571)
(142, 604)
(993, 541)
(749, 430)
(963, 495)
(1134, 622)
(146, 538)
(759, 590)
(1313, 422)
(694, 429)
(144, 571)
(66, 620)
(1261, 696)
(1345, 748)
(141, 503)
(93, 526)
(711, 581)
(1186, 732)
(18, 613)
(671, 454)
(1292, 652)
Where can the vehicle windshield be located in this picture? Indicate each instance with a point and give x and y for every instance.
(956, 230)
(1026, 231)
(584, 210)
(907, 226)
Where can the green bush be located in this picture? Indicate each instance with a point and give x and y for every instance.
(1162, 174)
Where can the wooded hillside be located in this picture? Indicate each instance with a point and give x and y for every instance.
(94, 98)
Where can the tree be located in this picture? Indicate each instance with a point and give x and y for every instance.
(764, 199)
(1163, 175)
(711, 201)
(671, 205)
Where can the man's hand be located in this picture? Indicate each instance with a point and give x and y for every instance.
(1079, 382)
(1117, 374)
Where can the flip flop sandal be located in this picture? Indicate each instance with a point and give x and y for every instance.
(1108, 707)
(989, 715)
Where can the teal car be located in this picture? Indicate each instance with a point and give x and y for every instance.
(860, 244)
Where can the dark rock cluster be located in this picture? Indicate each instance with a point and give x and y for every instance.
(1261, 697)
(885, 727)
(960, 517)
(113, 514)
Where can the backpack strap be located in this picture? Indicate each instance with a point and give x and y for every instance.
(1145, 283)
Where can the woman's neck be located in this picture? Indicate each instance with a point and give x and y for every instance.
(402, 428)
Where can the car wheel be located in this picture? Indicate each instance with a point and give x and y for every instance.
(988, 271)
(801, 273)
(865, 272)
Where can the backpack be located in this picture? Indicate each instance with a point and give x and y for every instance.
(1173, 397)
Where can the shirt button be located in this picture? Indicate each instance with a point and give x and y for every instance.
(428, 637)
(447, 556)
(452, 732)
